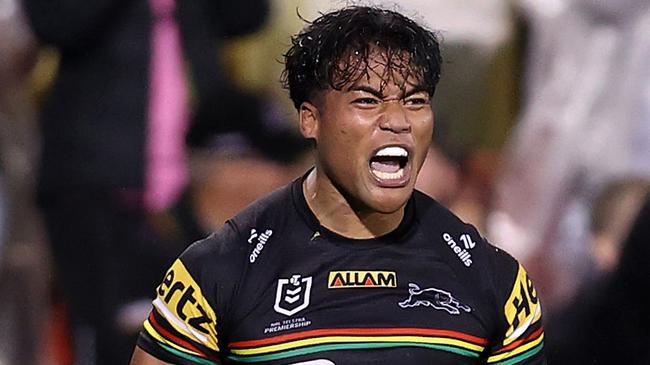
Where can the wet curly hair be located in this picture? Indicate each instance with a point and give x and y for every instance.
(333, 51)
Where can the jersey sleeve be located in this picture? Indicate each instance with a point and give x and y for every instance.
(521, 337)
(183, 326)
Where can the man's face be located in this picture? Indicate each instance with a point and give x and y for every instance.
(372, 137)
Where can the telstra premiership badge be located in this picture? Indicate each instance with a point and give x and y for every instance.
(292, 295)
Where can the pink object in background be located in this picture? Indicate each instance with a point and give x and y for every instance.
(166, 166)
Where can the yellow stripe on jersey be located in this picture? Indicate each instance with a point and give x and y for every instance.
(357, 339)
(522, 308)
(181, 302)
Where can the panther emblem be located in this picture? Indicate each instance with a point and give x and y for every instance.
(433, 297)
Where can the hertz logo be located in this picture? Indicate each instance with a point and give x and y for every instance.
(181, 302)
(361, 279)
(523, 307)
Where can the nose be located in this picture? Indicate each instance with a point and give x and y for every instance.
(394, 118)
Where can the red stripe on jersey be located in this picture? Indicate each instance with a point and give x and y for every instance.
(517, 343)
(360, 331)
(173, 338)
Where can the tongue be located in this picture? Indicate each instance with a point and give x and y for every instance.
(385, 166)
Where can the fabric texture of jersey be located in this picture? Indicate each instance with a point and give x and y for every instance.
(275, 287)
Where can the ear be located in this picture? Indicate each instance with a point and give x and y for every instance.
(309, 120)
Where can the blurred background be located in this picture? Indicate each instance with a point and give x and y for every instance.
(131, 128)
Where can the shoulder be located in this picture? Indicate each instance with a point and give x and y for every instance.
(199, 291)
(272, 209)
(463, 240)
(484, 267)
(431, 213)
(229, 248)
(507, 292)
(207, 255)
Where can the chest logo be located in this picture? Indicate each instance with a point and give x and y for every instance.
(463, 253)
(361, 279)
(292, 295)
(259, 240)
(433, 297)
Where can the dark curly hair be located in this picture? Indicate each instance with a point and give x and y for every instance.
(334, 50)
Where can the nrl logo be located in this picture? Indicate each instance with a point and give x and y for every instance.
(432, 297)
(292, 295)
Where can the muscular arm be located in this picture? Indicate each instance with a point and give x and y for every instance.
(182, 326)
(142, 358)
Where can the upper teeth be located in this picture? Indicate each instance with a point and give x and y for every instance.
(392, 151)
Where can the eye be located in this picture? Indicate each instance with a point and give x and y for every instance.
(416, 102)
(366, 101)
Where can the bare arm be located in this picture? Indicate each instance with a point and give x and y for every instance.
(142, 358)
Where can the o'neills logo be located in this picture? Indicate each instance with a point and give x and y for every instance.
(462, 253)
(362, 279)
(262, 238)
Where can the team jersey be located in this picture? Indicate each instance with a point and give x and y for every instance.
(273, 286)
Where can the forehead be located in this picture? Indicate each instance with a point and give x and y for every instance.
(379, 67)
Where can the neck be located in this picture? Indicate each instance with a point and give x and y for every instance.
(337, 214)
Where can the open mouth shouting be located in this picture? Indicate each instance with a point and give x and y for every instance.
(391, 167)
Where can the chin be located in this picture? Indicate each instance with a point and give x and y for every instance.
(390, 201)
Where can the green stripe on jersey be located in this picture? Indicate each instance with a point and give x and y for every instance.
(186, 356)
(347, 346)
(524, 356)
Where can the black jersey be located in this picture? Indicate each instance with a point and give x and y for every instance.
(275, 287)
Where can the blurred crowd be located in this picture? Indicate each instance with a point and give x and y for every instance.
(131, 128)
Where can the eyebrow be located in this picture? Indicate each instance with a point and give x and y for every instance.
(380, 95)
(415, 90)
(368, 89)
